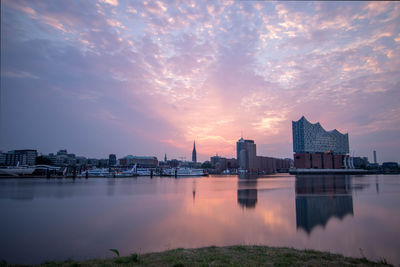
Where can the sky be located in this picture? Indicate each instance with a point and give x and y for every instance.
(150, 77)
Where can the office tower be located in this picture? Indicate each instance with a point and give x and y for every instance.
(246, 154)
(248, 160)
(375, 157)
(112, 160)
(194, 154)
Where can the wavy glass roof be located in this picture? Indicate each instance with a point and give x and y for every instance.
(313, 138)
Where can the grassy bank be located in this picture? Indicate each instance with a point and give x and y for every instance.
(228, 256)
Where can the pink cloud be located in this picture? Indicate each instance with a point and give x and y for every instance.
(110, 2)
(210, 71)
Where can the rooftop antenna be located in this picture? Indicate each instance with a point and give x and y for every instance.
(241, 134)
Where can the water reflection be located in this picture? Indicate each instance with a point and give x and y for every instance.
(29, 189)
(247, 190)
(194, 190)
(318, 198)
(340, 214)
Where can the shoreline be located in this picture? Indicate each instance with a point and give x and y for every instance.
(239, 255)
(291, 172)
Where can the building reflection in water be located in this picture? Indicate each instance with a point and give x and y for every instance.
(320, 197)
(247, 190)
(194, 190)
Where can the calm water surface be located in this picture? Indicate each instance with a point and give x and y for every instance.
(60, 219)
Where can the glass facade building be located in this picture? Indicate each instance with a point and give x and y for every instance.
(312, 138)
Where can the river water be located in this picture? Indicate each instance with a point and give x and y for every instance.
(60, 219)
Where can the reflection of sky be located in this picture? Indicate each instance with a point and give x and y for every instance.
(152, 76)
(62, 219)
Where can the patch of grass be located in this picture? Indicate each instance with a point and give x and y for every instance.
(228, 256)
(133, 258)
(310, 251)
(285, 259)
(50, 263)
(71, 263)
(239, 248)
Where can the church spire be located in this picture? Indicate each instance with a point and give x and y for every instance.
(194, 154)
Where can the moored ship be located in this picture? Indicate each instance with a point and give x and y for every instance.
(16, 171)
(184, 172)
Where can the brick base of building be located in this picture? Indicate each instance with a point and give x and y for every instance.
(319, 161)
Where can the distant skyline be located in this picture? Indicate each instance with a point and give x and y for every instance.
(149, 77)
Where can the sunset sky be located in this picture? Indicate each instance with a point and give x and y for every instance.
(149, 77)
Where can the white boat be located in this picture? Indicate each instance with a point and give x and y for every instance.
(135, 172)
(17, 171)
(184, 172)
(127, 173)
(143, 172)
(95, 173)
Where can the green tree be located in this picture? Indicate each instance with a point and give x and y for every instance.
(207, 165)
